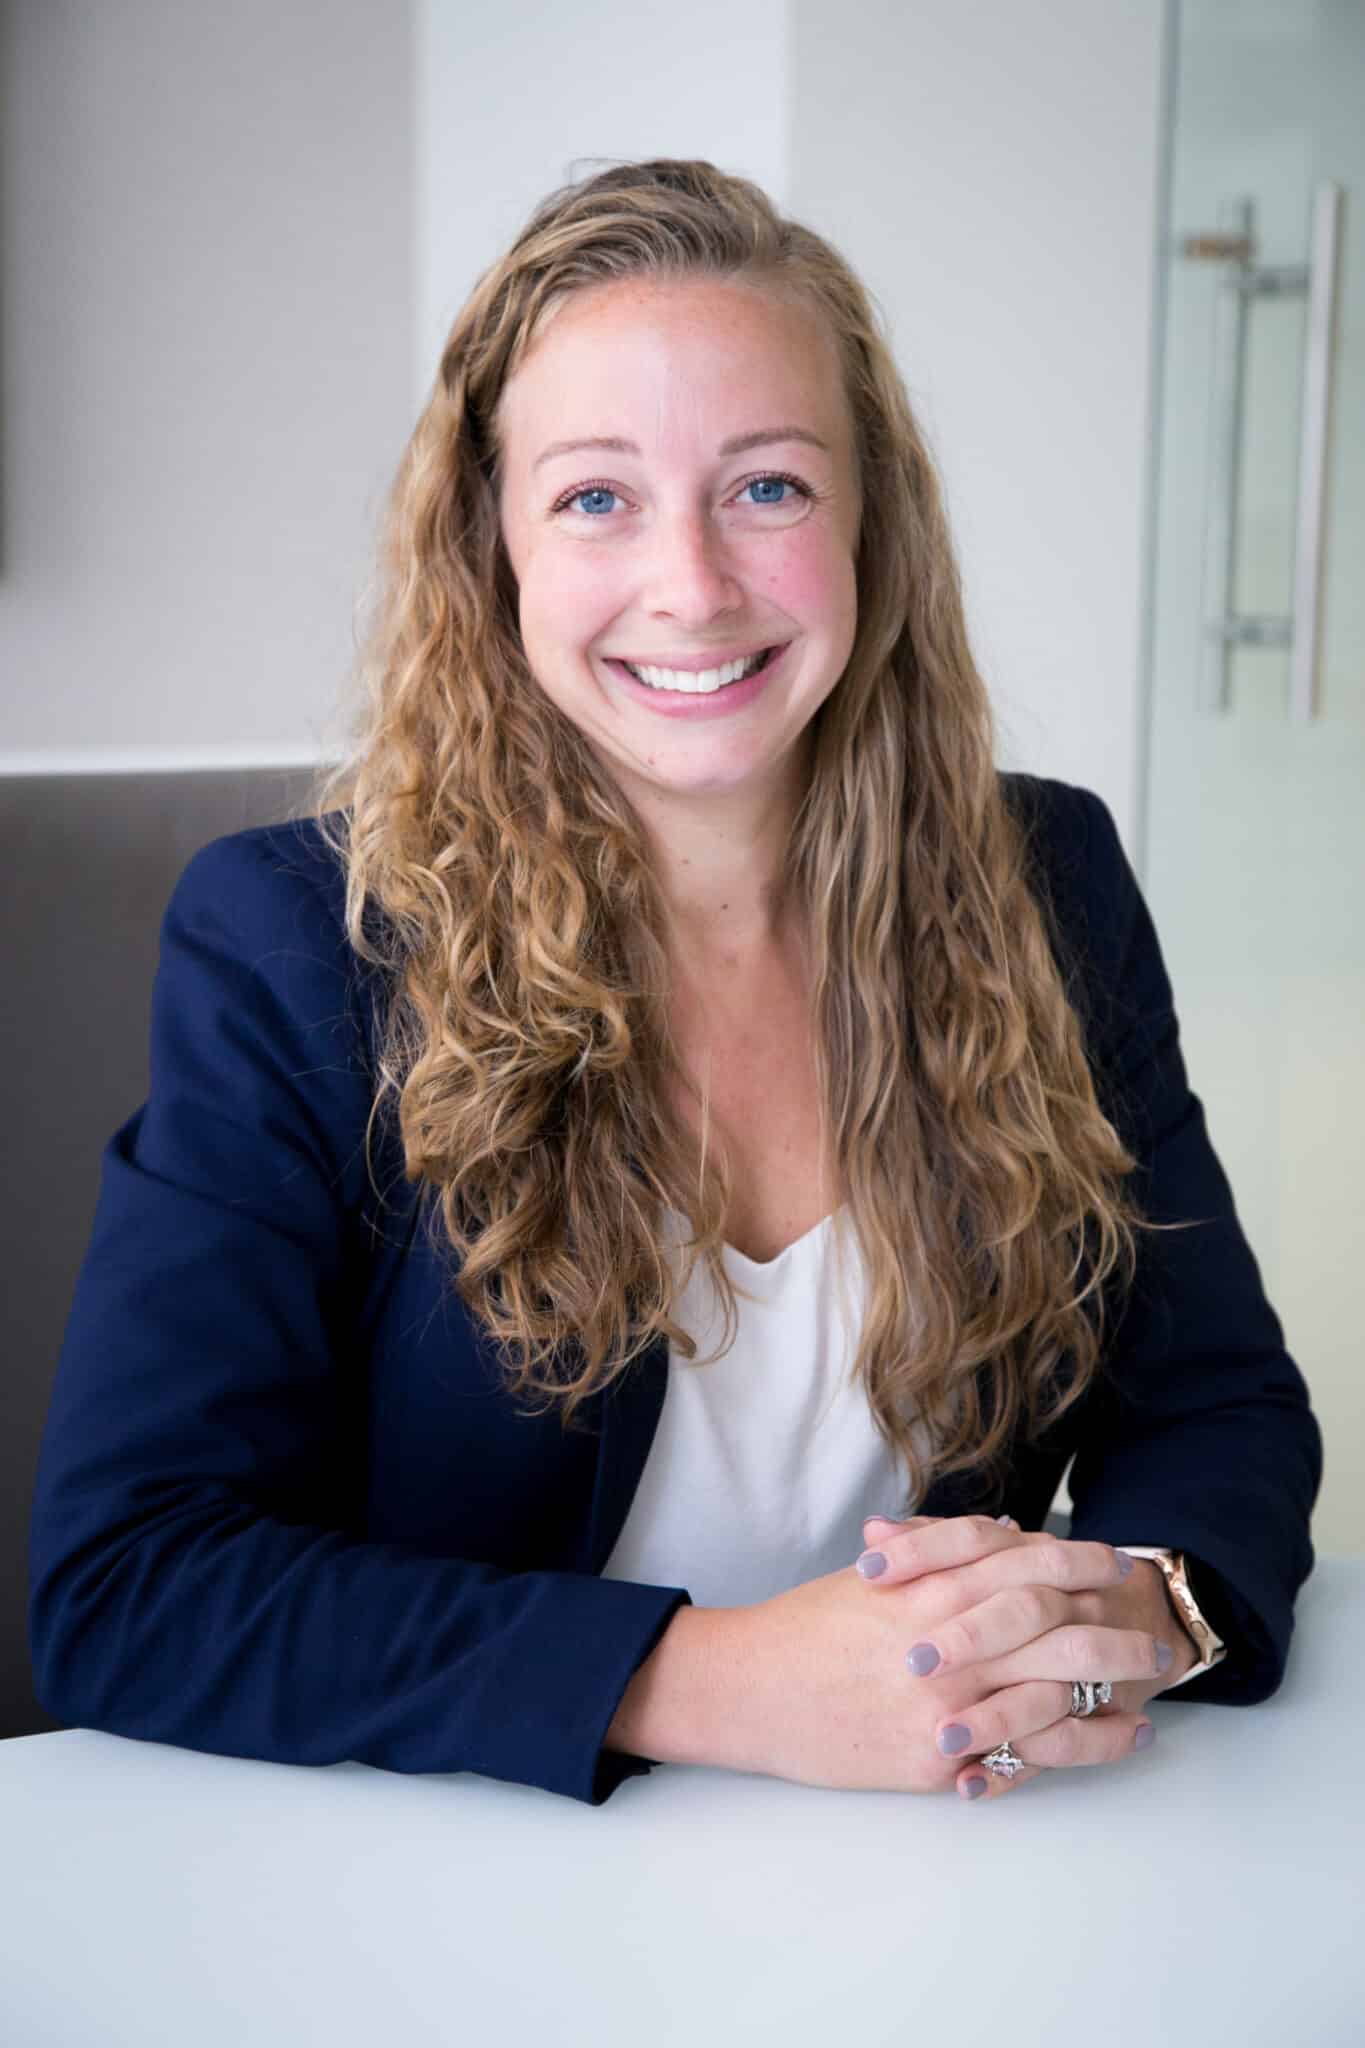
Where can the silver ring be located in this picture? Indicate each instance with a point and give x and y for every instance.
(1087, 1695)
(1003, 1761)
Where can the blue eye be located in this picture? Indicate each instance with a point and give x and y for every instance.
(773, 482)
(782, 481)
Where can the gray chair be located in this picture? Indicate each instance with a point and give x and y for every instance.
(89, 862)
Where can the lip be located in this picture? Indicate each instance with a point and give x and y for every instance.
(686, 704)
(693, 664)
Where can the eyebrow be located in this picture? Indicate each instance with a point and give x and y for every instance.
(736, 445)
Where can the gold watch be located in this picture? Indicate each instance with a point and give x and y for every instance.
(1211, 1647)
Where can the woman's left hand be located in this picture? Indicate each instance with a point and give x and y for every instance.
(981, 1566)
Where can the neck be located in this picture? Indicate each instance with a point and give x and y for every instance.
(721, 871)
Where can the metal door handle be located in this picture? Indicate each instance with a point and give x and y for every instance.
(1315, 420)
(1224, 630)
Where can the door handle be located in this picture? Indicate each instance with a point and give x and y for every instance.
(1234, 244)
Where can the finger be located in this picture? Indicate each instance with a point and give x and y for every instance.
(1079, 1650)
(993, 1629)
(877, 1524)
(1097, 1739)
(937, 1544)
(1062, 1561)
(1013, 1556)
(978, 1784)
(1006, 1716)
(890, 1522)
(1036, 1719)
(1057, 1746)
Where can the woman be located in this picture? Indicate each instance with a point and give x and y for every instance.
(674, 1096)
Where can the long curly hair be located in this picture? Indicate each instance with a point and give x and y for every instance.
(500, 882)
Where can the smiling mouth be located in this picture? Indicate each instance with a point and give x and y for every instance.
(701, 682)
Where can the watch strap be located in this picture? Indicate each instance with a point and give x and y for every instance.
(1172, 1564)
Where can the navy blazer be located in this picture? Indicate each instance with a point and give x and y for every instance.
(284, 1508)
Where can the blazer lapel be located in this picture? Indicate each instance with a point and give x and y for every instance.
(628, 1415)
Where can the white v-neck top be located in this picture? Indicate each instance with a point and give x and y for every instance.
(765, 1461)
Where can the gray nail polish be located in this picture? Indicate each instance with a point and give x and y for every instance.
(1164, 1656)
(1125, 1563)
(923, 1659)
(1146, 1734)
(975, 1787)
(872, 1564)
(953, 1740)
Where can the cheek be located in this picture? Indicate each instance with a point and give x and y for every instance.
(814, 582)
(563, 596)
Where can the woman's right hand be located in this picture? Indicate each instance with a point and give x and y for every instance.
(826, 1667)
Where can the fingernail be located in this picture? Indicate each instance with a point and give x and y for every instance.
(973, 1787)
(1008, 1521)
(954, 1739)
(1146, 1734)
(923, 1659)
(1164, 1655)
(872, 1564)
(1125, 1563)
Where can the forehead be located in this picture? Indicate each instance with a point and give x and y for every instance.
(667, 353)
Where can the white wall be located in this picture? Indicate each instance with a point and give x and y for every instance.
(991, 169)
(511, 105)
(207, 306)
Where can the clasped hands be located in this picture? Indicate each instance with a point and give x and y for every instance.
(1030, 1613)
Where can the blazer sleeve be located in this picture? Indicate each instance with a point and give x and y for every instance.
(192, 1578)
(1201, 1436)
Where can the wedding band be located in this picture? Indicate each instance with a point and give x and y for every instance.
(1087, 1695)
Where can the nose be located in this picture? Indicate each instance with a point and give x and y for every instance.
(690, 575)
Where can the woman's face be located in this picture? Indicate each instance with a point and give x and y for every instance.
(675, 547)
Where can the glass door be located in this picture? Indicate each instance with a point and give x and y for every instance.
(1254, 815)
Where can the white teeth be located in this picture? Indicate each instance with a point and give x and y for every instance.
(700, 683)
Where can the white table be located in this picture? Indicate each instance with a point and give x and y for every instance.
(1209, 1890)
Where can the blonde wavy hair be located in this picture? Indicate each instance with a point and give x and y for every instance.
(499, 880)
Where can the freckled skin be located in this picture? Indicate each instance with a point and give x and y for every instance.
(686, 556)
